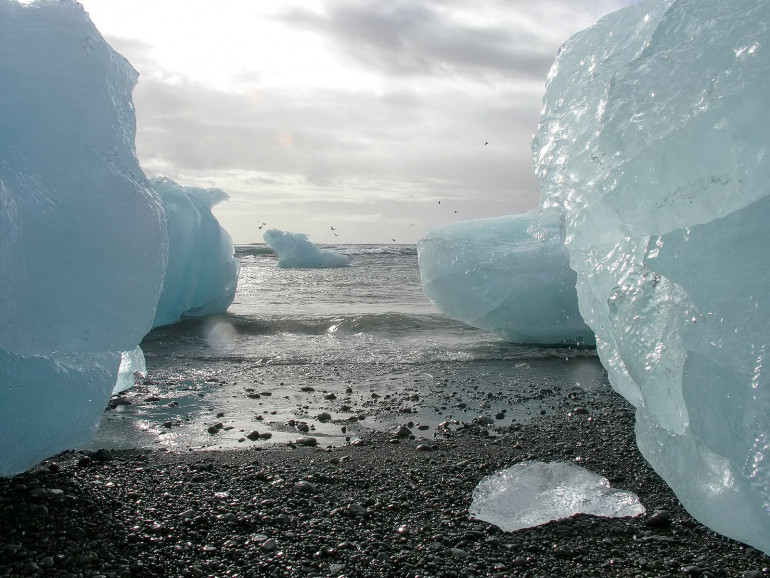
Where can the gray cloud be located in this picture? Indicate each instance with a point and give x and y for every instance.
(405, 38)
(368, 158)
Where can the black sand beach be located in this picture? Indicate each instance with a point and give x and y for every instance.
(385, 507)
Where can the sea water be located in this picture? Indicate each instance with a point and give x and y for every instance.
(360, 344)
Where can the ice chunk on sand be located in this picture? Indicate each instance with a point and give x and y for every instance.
(508, 275)
(534, 493)
(202, 271)
(653, 141)
(131, 363)
(296, 251)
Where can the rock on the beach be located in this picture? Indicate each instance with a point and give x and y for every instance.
(534, 493)
(402, 432)
(305, 487)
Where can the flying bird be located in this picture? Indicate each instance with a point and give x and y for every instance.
(332, 228)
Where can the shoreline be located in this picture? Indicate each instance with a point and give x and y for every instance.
(380, 508)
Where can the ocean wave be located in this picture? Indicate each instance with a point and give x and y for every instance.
(396, 250)
(377, 323)
(374, 323)
(260, 249)
(362, 338)
(255, 250)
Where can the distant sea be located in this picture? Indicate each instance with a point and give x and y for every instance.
(359, 343)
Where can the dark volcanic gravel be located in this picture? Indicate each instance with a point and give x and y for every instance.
(380, 508)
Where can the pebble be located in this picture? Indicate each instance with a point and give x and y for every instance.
(38, 511)
(403, 432)
(564, 551)
(323, 417)
(357, 510)
(307, 441)
(253, 435)
(659, 519)
(103, 455)
(375, 510)
(305, 487)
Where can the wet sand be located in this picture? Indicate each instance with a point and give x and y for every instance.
(387, 506)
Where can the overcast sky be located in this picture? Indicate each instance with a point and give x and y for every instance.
(369, 116)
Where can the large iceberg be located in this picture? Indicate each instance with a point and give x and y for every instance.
(508, 275)
(202, 271)
(653, 142)
(82, 234)
(85, 238)
(295, 250)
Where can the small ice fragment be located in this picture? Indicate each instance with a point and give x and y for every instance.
(131, 363)
(533, 493)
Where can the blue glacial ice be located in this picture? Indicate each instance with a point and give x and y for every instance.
(131, 363)
(296, 251)
(508, 275)
(202, 271)
(653, 142)
(83, 235)
(653, 145)
(534, 493)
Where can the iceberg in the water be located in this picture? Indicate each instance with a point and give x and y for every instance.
(653, 141)
(202, 271)
(508, 275)
(533, 493)
(82, 234)
(296, 251)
